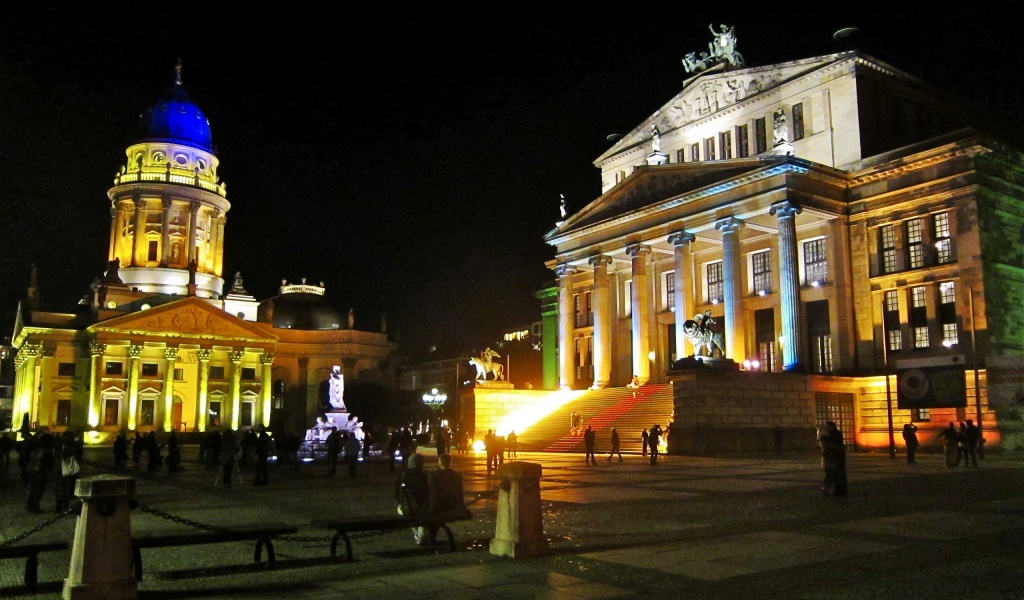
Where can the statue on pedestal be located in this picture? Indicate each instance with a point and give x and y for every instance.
(336, 389)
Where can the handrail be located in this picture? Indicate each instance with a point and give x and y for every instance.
(168, 177)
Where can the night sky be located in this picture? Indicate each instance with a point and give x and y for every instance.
(410, 160)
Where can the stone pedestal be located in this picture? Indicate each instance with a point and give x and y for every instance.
(494, 385)
(783, 149)
(519, 531)
(657, 158)
(101, 556)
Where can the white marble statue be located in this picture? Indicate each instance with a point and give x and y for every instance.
(561, 206)
(655, 139)
(336, 389)
(780, 127)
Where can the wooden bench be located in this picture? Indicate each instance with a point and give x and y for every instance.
(31, 552)
(343, 527)
(262, 535)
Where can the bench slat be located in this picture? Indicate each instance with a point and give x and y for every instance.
(261, 534)
(342, 527)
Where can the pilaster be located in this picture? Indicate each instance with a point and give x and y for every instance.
(203, 417)
(236, 387)
(170, 356)
(602, 322)
(789, 285)
(134, 353)
(735, 341)
(266, 388)
(681, 242)
(566, 327)
(641, 307)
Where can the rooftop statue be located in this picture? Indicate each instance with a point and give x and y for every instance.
(561, 206)
(721, 50)
(485, 365)
(656, 139)
(780, 127)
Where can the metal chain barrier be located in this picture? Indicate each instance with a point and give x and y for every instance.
(38, 527)
(159, 513)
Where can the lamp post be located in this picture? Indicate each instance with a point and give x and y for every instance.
(435, 400)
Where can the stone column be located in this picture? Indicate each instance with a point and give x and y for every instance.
(789, 285)
(641, 307)
(735, 341)
(139, 238)
(681, 241)
(566, 326)
(193, 229)
(203, 355)
(236, 387)
(602, 322)
(170, 355)
(44, 389)
(266, 388)
(218, 249)
(29, 386)
(165, 233)
(115, 230)
(101, 555)
(96, 351)
(134, 352)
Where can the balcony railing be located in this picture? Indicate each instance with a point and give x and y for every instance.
(168, 175)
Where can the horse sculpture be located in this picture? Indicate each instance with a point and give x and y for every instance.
(483, 369)
(704, 339)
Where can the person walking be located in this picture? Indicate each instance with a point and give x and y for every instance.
(173, 453)
(951, 436)
(40, 463)
(615, 446)
(643, 442)
(228, 463)
(138, 446)
(833, 460)
(911, 442)
(412, 493)
(973, 441)
(121, 450)
(6, 445)
(961, 445)
(154, 460)
(69, 471)
(511, 440)
(589, 441)
(352, 448)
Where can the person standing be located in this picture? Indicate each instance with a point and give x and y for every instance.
(333, 442)
(406, 446)
(412, 493)
(6, 445)
(511, 440)
(352, 454)
(833, 459)
(69, 471)
(615, 446)
(589, 441)
(154, 459)
(393, 440)
(173, 453)
(643, 442)
(264, 445)
(951, 438)
(446, 495)
(121, 450)
(973, 441)
(138, 445)
(40, 463)
(489, 450)
(654, 442)
(228, 464)
(910, 440)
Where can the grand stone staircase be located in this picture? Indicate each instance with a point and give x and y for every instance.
(602, 410)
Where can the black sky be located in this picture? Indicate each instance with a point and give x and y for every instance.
(411, 160)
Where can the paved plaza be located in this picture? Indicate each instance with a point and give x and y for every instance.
(750, 527)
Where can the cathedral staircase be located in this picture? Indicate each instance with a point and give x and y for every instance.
(603, 409)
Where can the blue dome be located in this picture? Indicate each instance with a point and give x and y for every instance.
(175, 118)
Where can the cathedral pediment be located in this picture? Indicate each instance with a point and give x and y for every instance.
(186, 318)
(711, 92)
(651, 185)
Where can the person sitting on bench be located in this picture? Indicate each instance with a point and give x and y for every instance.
(446, 496)
(412, 492)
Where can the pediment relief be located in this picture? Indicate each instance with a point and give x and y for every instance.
(190, 317)
(650, 189)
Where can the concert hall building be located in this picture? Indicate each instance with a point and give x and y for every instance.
(839, 220)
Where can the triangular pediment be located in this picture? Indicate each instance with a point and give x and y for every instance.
(710, 92)
(187, 318)
(649, 186)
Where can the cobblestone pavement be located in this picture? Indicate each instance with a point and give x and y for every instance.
(752, 527)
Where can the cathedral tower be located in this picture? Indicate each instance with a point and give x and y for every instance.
(167, 205)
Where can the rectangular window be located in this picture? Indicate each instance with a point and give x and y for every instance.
(576, 309)
(63, 413)
(947, 313)
(213, 418)
(66, 369)
(915, 244)
(950, 336)
(150, 369)
(627, 296)
(588, 308)
(153, 247)
(815, 262)
(943, 251)
(919, 315)
(891, 321)
(725, 143)
(680, 155)
(247, 414)
(920, 337)
(760, 136)
(918, 296)
(715, 281)
(798, 121)
(216, 372)
(147, 410)
(761, 263)
(742, 141)
(179, 374)
(764, 335)
(114, 368)
(887, 243)
(921, 414)
(709, 148)
(819, 330)
(110, 410)
(694, 152)
(670, 290)
(249, 373)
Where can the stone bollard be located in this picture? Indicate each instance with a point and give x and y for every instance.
(519, 531)
(101, 557)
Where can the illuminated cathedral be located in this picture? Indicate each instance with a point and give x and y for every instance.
(158, 343)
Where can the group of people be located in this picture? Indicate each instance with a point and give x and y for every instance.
(40, 456)
(439, 493)
(650, 442)
(961, 444)
(345, 444)
(148, 445)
